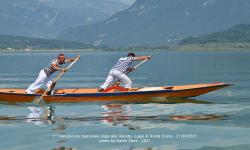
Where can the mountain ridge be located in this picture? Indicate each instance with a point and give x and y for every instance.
(43, 18)
(236, 34)
(161, 22)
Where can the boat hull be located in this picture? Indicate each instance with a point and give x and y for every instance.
(90, 94)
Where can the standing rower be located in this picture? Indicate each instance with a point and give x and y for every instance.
(44, 76)
(118, 71)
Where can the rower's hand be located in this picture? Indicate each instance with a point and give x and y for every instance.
(130, 69)
(149, 57)
(73, 59)
(78, 56)
(65, 70)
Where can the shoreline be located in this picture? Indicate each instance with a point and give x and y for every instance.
(47, 50)
(193, 47)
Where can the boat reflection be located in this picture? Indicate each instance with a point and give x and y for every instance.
(196, 117)
(64, 148)
(37, 115)
(113, 114)
(122, 115)
(40, 116)
(116, 114)
(136, 116)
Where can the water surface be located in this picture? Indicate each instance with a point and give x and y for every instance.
(219, 119)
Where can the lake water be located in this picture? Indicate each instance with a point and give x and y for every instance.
(218, 120)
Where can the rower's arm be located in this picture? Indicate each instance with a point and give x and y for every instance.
(138, 58)
(55, 66)
(68, 60)
(71, 59)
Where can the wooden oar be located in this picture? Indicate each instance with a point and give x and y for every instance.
(138, 65)
(59, 76)
(127, 72)
(54, 81)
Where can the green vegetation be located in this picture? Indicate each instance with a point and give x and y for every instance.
(236, 34)
(28, 43)
(237, 37)
(214, 46)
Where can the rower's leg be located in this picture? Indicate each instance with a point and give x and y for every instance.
(48, 82)
(126, 80)
(107, 82)
(50, 86)
(38, 83)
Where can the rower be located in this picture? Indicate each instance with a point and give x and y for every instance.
(118, 71)
(44, 76)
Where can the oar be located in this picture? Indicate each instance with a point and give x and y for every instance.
(59, 76)
(54, 81)
(138, 65)
(127, 72)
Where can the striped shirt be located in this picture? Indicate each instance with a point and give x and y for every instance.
(50, 70)
(123, 64)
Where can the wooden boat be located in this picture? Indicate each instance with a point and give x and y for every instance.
(114, 94)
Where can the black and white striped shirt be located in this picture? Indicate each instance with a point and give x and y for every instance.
(50, 70)
(123, 64)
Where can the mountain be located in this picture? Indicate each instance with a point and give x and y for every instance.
(30, 18)
(19, 42)
(161, 22)
(88, 11)
(47, 18)
(237, 34)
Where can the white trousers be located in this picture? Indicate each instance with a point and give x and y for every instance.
(41, 79)
(115, 75)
